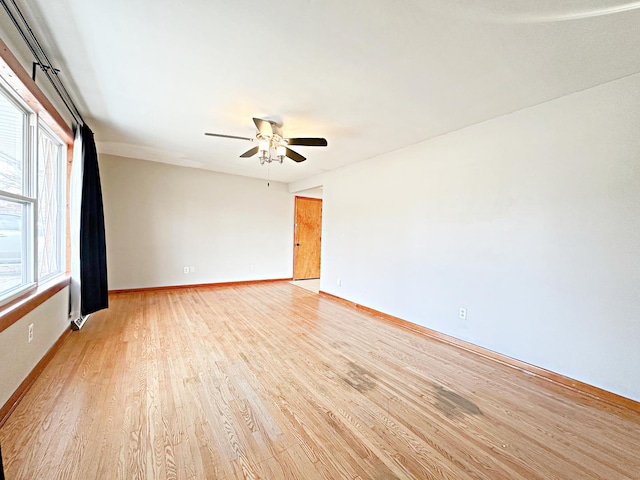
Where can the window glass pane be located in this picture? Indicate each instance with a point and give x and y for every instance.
(12, 122)
(49, 211)
(12, 233)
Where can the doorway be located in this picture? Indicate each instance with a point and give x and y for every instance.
(307, 238)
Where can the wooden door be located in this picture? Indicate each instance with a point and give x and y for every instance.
(307, 235)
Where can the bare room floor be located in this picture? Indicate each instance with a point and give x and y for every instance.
(272, 381)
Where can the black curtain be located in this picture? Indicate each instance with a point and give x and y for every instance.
(1, 467)
(94, 293)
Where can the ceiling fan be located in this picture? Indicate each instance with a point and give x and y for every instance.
(271, 139)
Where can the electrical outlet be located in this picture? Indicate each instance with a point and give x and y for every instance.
(192, 269)
(339, 281)
(185, 269)
(252, 268)
(30, 332)
(463, 314)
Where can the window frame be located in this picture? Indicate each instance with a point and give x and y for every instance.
(28, 197)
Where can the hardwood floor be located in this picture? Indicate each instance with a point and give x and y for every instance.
(273, 381)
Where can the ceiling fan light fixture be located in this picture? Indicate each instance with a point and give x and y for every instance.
(263, 151)
(272, 144)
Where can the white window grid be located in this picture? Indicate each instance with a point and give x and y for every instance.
(51, 156)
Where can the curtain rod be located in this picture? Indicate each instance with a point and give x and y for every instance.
(41, 59)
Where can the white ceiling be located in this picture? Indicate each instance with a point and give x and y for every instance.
(151, 76)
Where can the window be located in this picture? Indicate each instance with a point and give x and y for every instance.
(51, 152)
(31, 198)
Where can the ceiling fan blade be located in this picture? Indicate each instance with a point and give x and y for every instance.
(263, 127)
(228, 136)
(250, 153)
(295, 156)
(309, 142)
(277, 129)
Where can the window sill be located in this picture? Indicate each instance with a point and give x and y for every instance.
(18, 308)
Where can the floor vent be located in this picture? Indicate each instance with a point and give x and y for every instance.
(79, 322)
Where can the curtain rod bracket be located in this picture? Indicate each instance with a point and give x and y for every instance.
(44, 69)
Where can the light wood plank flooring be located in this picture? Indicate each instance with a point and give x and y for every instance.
(272, 381)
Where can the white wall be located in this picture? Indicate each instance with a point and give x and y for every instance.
(160, 218)
(310, 193)
(17, 356)
(531, 221)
